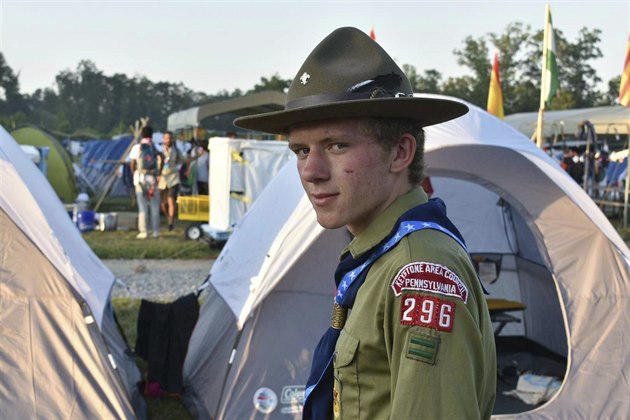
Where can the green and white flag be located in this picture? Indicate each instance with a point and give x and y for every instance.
(550, 69)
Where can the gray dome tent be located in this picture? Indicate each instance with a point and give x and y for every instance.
(61, 354)
(269, 299)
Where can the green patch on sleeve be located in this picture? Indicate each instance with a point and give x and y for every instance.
(422, 347)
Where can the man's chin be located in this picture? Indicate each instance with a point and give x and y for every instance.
(327, 223)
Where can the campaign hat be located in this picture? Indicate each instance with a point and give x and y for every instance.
(350, 75)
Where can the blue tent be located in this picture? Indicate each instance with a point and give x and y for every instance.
(99, 164)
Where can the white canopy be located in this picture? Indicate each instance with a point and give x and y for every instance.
(606, 120)
(255, 103)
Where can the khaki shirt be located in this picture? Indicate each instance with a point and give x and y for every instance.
(169, 176)
(417, 354)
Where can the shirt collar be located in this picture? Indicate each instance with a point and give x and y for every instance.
(383, 224)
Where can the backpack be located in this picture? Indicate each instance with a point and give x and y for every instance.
(148, 159)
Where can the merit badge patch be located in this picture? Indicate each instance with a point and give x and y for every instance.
(427, 311)
(422, 347)
(431, 278)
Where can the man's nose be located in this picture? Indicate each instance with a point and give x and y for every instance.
(314, 168)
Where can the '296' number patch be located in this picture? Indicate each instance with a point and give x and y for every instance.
(427, 311)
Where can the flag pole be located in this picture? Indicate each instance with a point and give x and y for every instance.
(543, 85)
(626, 193)
(624, 99)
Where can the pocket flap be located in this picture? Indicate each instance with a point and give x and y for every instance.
(346, 348)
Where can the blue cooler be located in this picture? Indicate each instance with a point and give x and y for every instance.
(85, 220)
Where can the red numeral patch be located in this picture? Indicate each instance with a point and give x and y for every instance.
(427, 311)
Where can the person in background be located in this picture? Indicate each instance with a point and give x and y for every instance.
(169, 179)
(410, 335)
(146, 165)
(574, 165)
(203, 168)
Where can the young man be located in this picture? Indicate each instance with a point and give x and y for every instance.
(145, 165)
(418, 341)
(169, 179)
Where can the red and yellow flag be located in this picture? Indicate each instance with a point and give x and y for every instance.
(372, 34)
(495, 95)
(624, 86)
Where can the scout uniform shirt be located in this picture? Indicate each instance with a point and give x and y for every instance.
(413, 348)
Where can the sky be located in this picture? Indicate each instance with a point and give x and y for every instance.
(212, 46)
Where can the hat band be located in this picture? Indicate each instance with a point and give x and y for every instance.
(329, 98)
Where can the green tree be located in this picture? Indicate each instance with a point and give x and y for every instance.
(576, 75)
(473, 55)
(520, 53)
(611, 96)
(88, 101)
(516, 87)
(274, 83)
(81, 96)
(428, 82)
(461, 87)
(12, 103)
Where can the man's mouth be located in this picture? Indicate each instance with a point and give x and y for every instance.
(321, 200)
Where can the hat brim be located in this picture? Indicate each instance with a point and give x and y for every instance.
(427, 111)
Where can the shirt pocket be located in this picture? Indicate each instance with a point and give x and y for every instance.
(346, 382)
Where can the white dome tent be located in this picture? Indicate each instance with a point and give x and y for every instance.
(61, 354)
(271, 289)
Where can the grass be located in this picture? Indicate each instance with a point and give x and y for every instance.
(124, 245)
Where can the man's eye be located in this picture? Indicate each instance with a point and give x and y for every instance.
(336, 147)
(300, 152)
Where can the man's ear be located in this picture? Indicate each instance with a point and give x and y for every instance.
(403, 153)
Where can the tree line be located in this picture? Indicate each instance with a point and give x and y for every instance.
(87, 103)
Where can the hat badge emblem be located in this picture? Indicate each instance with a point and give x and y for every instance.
(304, 78)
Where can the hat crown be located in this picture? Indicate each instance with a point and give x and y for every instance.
(348, 75)
(348, 62)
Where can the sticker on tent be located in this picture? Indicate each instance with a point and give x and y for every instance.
(292, 399)
(431, 278)
(265, 400)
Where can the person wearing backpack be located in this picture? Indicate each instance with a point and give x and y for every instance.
(146, 168)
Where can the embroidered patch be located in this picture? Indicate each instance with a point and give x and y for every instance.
(431, 278)
(422, 347)
(427, 311)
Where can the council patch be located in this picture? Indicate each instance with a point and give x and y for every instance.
(431, 278)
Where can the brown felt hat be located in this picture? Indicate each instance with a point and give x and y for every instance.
(349, 75)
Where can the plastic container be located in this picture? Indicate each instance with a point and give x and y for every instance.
(193, 207)
(106, 221)
(83, 201)
(81, 204)
(85, 220)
